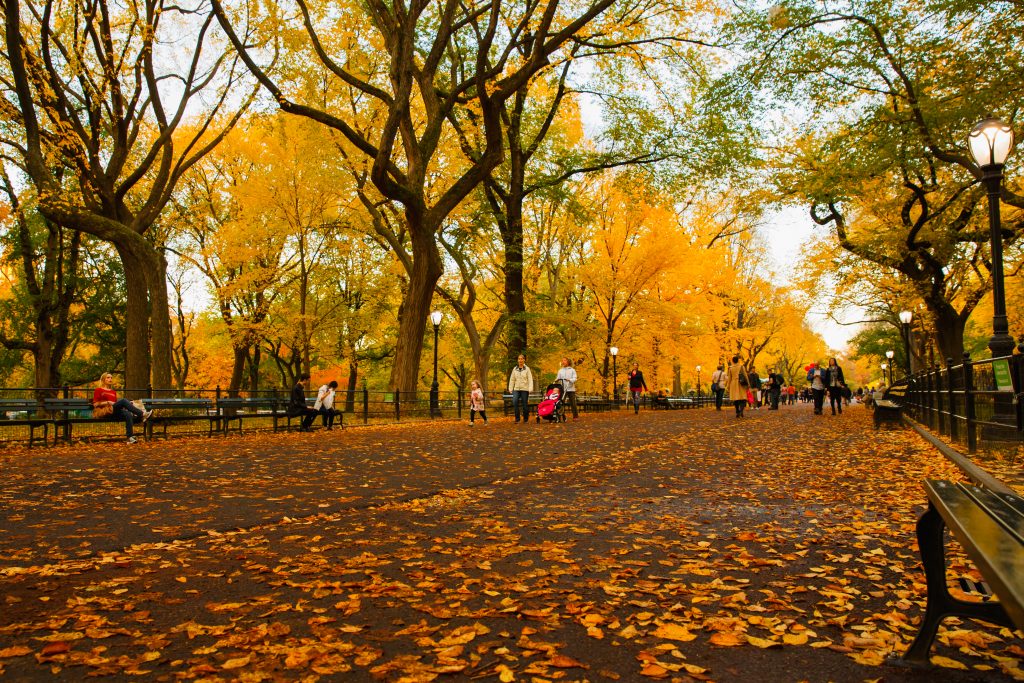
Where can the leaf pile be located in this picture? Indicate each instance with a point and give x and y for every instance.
(671, 546)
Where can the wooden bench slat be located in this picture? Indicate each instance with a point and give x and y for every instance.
(997, 553)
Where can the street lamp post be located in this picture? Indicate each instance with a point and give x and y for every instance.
(905, 318)
(990, 143)
(892, 366)
(435, 403)
(615, 375)
(885, 366)
(698, 385)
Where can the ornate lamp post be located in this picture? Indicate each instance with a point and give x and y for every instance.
(615, 374)
(435, 404)
(990, 143)
(892, 366)
(885, 366)
(905, 318)
(698, 385)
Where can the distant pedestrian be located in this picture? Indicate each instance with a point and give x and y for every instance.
(718, 385)
(325, 404)
(476, 402)
(774, 389)
(637, 385)
(567, 374)
(297, 404)
(738, 383)
(818, 377)
(836, 385)
(106, 405)
(520, 384)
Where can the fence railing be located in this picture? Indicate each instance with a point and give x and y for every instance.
(974, 400)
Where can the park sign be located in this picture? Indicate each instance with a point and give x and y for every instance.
(1001, 374)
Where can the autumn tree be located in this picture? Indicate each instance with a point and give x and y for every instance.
(880, 156)
(106, 93)
(428, 63)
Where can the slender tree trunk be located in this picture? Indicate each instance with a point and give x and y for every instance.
(254, 368)
(350, 391)
(515, 297)
(415, 308)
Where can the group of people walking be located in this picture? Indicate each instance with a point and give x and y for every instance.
(745, 387)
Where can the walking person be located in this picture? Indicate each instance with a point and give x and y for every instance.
(297, 404)
(818, 377)
(476, 402)
(520, 384)
(637, 385)
(567, 374)
(836, 384)
(325, 404)
(737, 382)
(718, 385)
(106, 405)
(774, 389)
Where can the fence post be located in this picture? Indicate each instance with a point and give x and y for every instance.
(1018, 387)
(398, 408)
(931, 396)
(459, 398)
(366, 405)
(953, 420)
(969, 409)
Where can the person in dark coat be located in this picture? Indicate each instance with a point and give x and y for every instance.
(835, 383)
(636, 386)
(297, 404)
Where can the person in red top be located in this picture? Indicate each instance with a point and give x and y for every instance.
(104, 396)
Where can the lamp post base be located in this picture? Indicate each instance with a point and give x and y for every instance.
(435, 401)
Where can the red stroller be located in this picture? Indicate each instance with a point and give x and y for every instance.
(550, 408)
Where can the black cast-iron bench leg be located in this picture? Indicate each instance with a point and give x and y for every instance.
(941, 604)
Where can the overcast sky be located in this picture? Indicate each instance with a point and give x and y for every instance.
(788, 234)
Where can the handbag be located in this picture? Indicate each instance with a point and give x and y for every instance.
(743, 379)
(102, 411)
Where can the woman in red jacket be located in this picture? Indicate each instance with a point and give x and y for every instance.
(105, 403)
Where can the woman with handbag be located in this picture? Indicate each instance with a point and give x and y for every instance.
(738, 383)
(106, 405)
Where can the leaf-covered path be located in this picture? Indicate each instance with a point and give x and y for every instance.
(685, 545)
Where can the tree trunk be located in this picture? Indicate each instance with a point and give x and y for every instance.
(237, 371)
(423, 276)
(949, 328)
(254, 369)
(136, 366)
(515, 297)
(160, 323)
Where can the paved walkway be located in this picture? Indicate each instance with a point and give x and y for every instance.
(686, 545)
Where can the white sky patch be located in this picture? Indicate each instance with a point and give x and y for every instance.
(791, 236)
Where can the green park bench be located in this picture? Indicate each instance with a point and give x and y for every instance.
(889, 408)
(169, 411)
(29, 407)
(989, 525)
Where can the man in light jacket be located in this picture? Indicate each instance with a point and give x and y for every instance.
(520, 384)
(567, 374)
(325, 403)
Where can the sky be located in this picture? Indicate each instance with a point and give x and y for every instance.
(788, 234)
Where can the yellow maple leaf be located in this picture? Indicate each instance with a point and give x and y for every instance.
(673, 632)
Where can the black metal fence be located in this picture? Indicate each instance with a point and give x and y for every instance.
(972, 401)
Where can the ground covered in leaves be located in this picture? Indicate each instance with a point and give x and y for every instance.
(683, 545)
